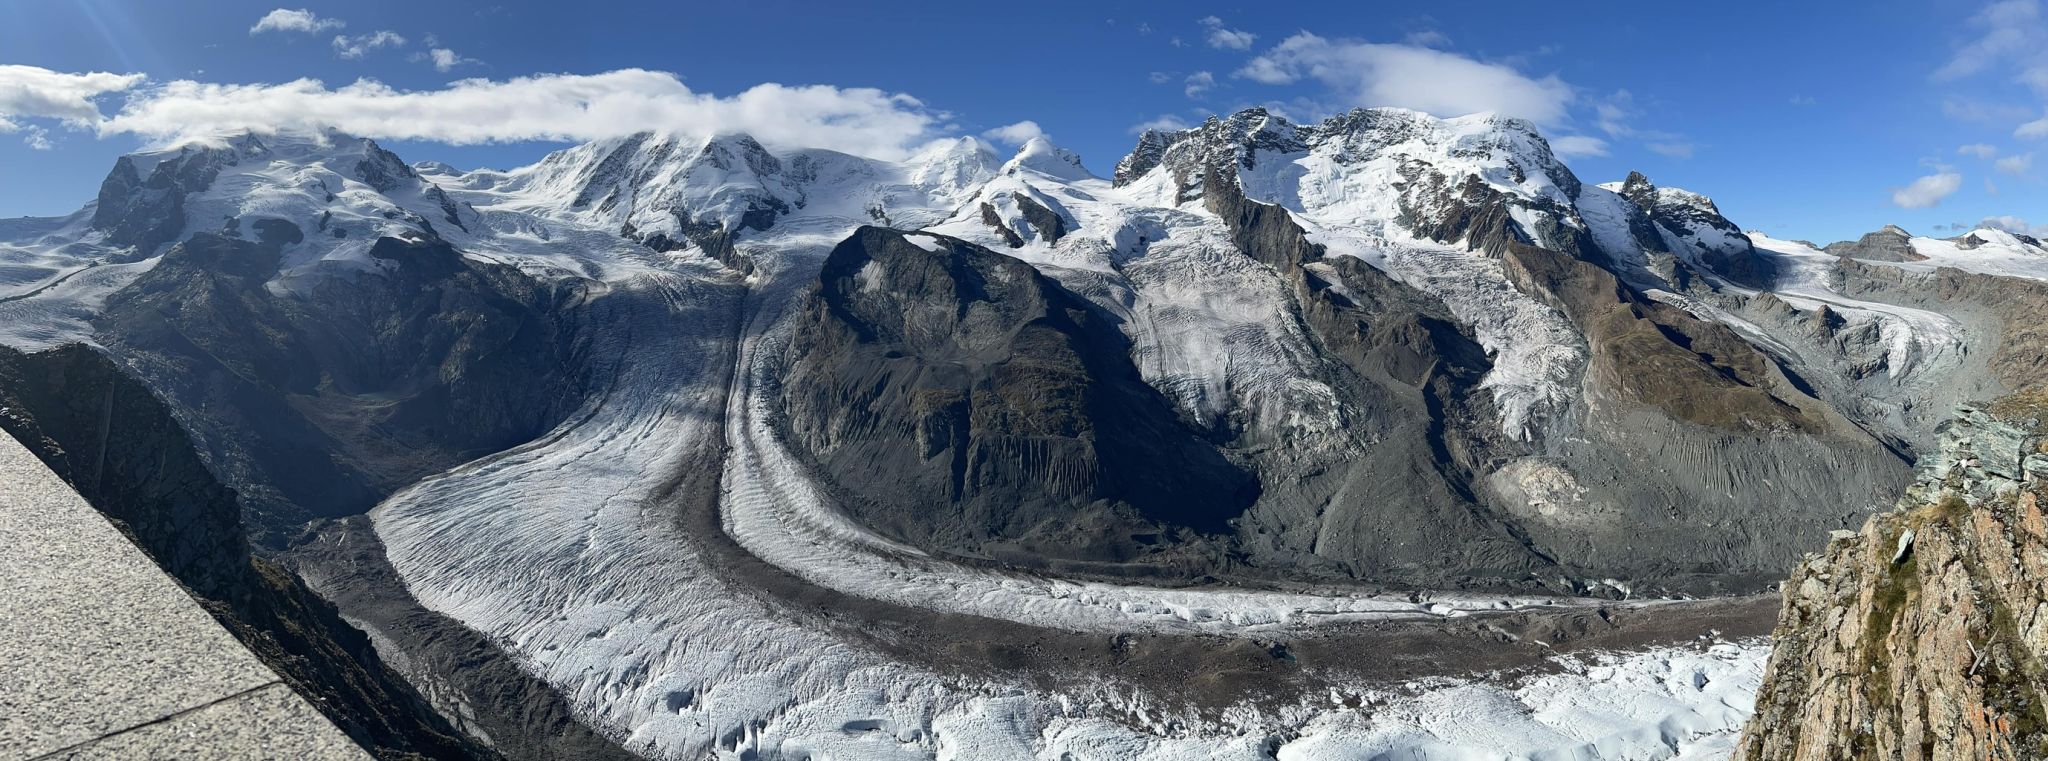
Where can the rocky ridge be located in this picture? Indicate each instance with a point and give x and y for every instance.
(1925, 635)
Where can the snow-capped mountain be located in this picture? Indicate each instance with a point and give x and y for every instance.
(706, 434)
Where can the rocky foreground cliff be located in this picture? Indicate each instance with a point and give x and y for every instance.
(1924, 636)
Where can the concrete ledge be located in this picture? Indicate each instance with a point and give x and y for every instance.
(107, 657)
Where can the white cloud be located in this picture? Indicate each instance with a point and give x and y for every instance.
(2013, 224)
(2017, 166)
(1439, 82)
(288, 20)
(860, 121)
(1223, 37)
(1980, 150)
(445, 59)
(37, 138)
(1164, 123)
(1159, 77)
(354, 47)
(33, 92)
(1928, 191)
(1015, 134)
(1578, 146)
(1199, 84)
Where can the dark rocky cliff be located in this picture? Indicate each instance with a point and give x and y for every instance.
(959, 399)
(324, 399)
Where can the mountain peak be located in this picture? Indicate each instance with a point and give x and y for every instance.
(1040, 155)
(952, 167)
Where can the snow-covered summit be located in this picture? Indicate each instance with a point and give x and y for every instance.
(349, 185)
(1040, 155)
(1391, 174)
(674, 191)
(953, 168)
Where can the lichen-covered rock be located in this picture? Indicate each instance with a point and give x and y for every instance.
(1923, 636)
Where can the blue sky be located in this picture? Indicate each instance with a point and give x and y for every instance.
(1810, 120)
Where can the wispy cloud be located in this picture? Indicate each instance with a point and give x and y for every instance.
(355, 47)
(1616, 115)
(2018, 165)
(1223, 37)
(1578, 146)
(300, 20)
(1198, 84)
(1980, 150)
(1162, 123)
(1676, 149)
(1428, 38)
(2002, 32)
(1977, 110)
(2033, 130)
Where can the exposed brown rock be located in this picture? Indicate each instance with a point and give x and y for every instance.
(1924, 635)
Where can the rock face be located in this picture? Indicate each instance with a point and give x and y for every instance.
(964, 400)
(1891, 244)
(355, 385)
(1691, 221)
(1925, 636)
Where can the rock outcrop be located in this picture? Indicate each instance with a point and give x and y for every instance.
(960, 399)
(355, 384)
(1891, 244)
(1925, 636)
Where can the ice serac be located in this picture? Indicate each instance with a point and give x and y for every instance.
(1925, 635)
(957, 397)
